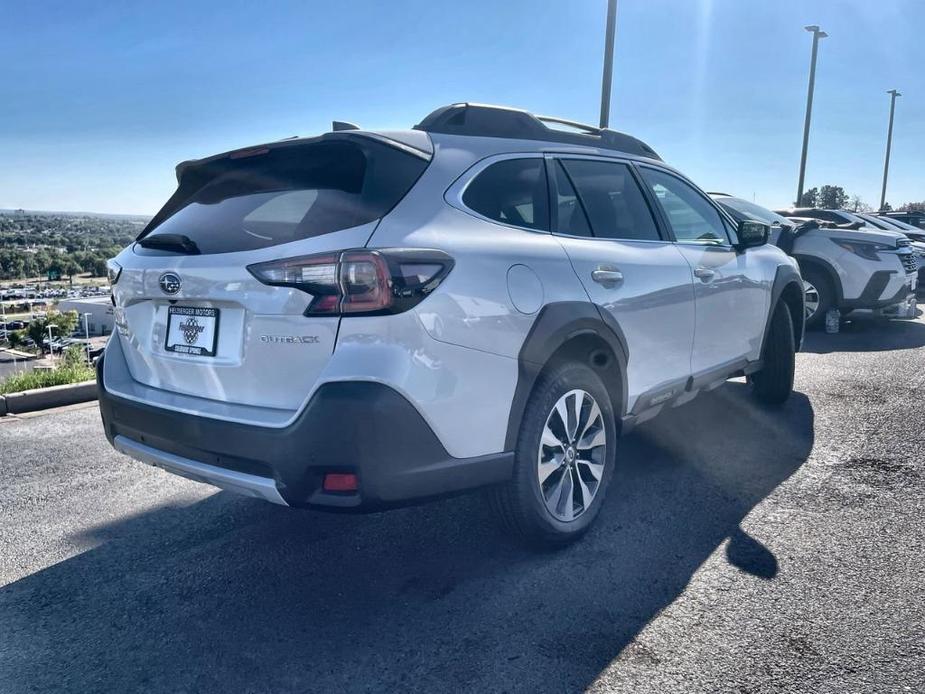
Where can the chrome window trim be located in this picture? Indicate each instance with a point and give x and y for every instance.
(454, 194)
(715, 246)
(612, 240)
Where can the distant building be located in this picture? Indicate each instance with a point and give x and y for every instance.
(100, 320)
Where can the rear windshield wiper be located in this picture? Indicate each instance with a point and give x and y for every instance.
(178, 243)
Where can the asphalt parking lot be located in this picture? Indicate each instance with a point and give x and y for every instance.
(740, 549)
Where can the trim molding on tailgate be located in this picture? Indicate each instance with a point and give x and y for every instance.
(240, 482)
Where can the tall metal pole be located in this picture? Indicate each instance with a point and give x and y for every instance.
(608, 63)
(817, 34)
(889, 143)
(87, 335)
(51, 347)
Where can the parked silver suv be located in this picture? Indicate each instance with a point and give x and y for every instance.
(365, 319)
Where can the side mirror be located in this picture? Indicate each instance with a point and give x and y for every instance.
(752, 234)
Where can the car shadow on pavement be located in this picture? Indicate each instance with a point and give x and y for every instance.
(231, 594)
(867, 335)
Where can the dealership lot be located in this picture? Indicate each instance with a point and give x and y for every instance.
(740, 549)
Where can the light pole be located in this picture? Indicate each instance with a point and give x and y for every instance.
(607, 79)
(87, 334)
(51, 347)
(817, 34)
(889, 143)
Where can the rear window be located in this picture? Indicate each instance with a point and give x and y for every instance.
(291, 193)
(512, 191)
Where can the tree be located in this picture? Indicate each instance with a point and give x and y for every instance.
(63, 324)
(810, 198)
(16, 338)
(858, 205)
(832, 197)
(913, 207)
(70, 268)
(75, 355)
(98, 266)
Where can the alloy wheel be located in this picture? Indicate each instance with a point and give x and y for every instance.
(810, 300)
(570, 463)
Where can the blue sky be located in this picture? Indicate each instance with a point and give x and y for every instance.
(101, 99)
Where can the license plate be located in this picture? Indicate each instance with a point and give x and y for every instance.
(192, 330)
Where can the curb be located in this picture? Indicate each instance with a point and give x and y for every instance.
(45, 398)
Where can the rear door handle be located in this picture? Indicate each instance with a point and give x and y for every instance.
(607, 276)
(704, 273)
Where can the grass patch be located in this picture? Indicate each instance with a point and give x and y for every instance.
(43, 379)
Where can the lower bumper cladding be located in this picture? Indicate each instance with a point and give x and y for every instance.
(356, 446)
(240, 482)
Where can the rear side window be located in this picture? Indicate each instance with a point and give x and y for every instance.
(512, 191)
(613, 201)
(291, 193)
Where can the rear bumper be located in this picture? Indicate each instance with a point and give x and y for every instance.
(363, 428)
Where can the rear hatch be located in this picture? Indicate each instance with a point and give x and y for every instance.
(194, 320)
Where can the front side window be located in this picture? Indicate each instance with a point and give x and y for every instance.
(613, 201)
(692, 218)
(512, 191)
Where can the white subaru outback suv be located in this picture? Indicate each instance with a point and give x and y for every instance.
(366, 319)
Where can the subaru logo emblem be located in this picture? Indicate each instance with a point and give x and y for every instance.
(169, 283)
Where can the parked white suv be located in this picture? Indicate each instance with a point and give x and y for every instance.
(914, 234)
(864, 270)
(365, 319)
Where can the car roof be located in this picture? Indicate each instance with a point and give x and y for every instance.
(481, 129)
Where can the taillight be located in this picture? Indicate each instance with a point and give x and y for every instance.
(113, 271)
(359, 281)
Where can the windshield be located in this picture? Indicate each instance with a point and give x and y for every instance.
(753, 211)
(899, 224)
(290, 193)
(852, 218)
(869, 219)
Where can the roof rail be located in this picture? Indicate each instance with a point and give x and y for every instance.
(483, 120)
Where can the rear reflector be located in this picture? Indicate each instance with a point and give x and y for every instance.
(340, 482)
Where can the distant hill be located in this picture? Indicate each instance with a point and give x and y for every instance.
(61, 213)
(34, 243)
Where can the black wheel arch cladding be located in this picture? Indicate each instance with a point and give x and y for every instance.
(812, 263)
(787, 286)
(558, 326)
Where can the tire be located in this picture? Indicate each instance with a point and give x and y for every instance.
(773, 384)
(539, 511)
(815, 280)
